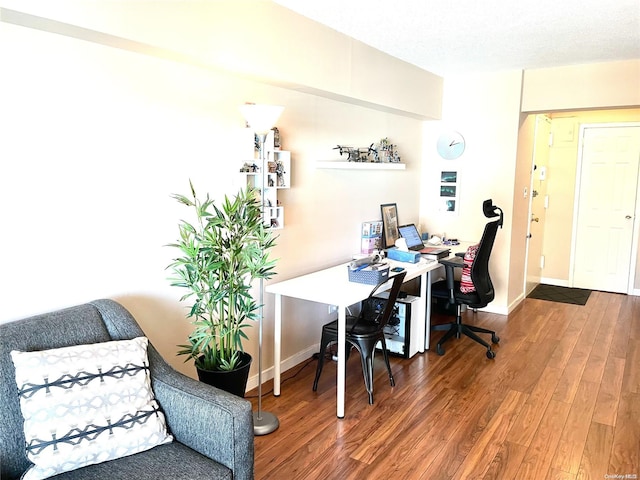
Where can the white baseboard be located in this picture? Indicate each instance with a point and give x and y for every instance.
(287, 363)
(554, 281)
(516, 302)
(500, 310)
(565, 283)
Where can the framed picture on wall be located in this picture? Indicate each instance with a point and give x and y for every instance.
(449, 192)
(448, 177)
(390, 231)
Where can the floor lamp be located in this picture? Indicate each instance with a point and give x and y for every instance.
(261, 118)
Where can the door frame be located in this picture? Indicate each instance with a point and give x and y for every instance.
(534, 153)
(576, 198)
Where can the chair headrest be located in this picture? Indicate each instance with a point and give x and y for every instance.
(490, 210)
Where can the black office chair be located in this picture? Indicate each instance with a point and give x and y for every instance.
(483, 294)
(364, 332)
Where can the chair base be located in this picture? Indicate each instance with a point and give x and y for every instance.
(458, 328)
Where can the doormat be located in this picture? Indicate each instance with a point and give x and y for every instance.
(552, 293)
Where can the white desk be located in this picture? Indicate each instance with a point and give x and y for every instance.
(332, 286)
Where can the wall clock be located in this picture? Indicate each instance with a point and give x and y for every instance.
(450, 145)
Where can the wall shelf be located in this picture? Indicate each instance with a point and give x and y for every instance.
(270, 183)
(360, 165)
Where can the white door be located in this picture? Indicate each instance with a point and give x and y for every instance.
(608, 185)
(537, 211)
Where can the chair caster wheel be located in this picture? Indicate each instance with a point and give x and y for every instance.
(491, 354)
(439, 350)
(495, 338)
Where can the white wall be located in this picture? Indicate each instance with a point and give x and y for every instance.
(96, 139)
(590, 86)
(484, 108)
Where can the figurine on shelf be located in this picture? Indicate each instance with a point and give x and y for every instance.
(356, 154)
(385, 152)
(249, 168)
(280, 173)
(276, 138)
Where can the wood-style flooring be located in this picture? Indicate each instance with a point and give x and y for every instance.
(561, 400)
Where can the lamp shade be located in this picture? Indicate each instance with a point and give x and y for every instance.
(261, 118)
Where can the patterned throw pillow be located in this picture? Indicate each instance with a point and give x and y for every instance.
(86, 404)
(466, 285)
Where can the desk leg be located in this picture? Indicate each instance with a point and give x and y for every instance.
(277, 342)
(420, 313)
(427, 318)
(342, 329)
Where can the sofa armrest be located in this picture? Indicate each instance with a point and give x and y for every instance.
(212, 422)
(215, 423)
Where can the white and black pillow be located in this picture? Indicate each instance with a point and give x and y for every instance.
(87, 404)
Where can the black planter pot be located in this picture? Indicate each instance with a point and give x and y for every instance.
(232, 381)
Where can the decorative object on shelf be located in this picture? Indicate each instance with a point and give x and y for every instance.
(280, 173)
(355, 154)
(383, 152)
(276, 138)
(221, 253)
(450, 145)
(262, 118)
(249, 168)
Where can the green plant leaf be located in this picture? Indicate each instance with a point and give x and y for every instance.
(221, 253)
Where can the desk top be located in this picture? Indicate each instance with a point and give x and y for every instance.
(332, 286)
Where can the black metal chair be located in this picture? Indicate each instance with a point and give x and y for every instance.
(484, 293)
(364, 332)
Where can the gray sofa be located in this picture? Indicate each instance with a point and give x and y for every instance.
(213, 430)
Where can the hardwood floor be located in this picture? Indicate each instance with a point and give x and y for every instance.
(561, 400)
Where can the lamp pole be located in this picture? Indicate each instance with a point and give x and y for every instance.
(261, 118)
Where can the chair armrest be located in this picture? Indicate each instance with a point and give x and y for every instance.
(215, 423)
(450, 264)
(453, 262)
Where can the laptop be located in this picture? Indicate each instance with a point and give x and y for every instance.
(412, 236)
(414, 242)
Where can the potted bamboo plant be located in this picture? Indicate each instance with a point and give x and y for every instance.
(221, 253)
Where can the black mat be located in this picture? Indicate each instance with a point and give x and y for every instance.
(552, 293)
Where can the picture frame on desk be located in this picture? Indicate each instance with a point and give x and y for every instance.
(390, 232)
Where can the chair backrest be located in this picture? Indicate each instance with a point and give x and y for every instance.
(480, 267)
(389, 304)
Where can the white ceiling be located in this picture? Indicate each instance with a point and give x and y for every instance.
(455, 36)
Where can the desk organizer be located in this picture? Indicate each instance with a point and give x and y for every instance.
(368, 275)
